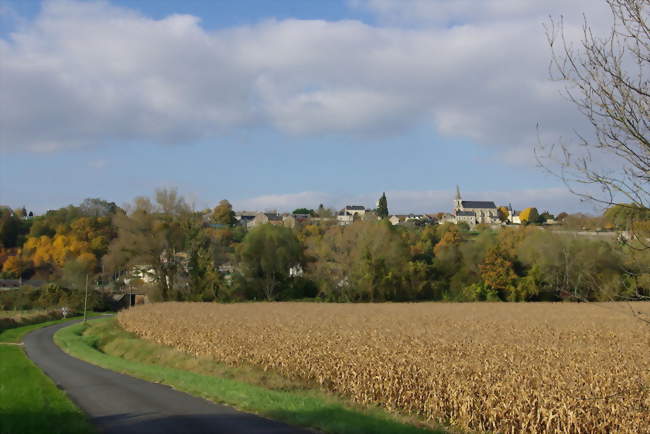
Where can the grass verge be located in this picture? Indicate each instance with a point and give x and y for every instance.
(11, 319)
(268, 395)
(29, 400)
(15, 335)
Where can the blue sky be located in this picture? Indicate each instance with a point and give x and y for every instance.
(280, 104)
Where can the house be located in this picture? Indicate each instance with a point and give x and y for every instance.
(245, 217)
(264, 218)
(296, 271)
(135, 297)
(355, 210)
(347, 215)
(513, 216)
(144, 273)
(413, 219)
(395, 219)
(344, 218)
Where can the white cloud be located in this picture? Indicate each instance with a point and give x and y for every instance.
(89, 73)
(284, 202)
(418, 201)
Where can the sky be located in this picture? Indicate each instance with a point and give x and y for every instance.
(281, 104)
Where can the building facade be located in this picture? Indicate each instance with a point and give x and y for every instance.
(473, 212)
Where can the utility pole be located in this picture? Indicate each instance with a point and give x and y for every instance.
(86, 298)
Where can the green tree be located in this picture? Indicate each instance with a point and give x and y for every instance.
(362, 261)
(9, 228)
(267, 254)
(207, 250)
(382, 207)
(96, 207)
(304, 211)
(223, 214)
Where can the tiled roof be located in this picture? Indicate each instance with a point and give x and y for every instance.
(355, 207)
(478, 204)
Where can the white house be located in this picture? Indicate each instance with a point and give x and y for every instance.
(513, 216)
(346, 215)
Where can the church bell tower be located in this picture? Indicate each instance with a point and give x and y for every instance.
(458, 202)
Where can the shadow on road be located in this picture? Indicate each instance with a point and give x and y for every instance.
(190, 423)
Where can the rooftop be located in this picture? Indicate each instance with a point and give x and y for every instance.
(478, 204)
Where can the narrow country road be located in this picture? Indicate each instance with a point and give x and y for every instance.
(117, 403)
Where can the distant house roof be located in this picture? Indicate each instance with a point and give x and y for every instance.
(478, 204)
(273, 217)
(466, 213)
(245, 216)
(355, 207)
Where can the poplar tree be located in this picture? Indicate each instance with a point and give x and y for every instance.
(382, 207)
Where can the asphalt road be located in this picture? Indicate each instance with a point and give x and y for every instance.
(117, 403)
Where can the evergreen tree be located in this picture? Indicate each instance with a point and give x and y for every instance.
(382, 207)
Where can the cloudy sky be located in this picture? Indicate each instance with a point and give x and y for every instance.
(283, 103)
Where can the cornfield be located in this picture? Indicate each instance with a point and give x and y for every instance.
(543, 367)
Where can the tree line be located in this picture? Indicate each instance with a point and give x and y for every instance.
(164, 248)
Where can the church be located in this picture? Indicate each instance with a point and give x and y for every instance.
(473, 212)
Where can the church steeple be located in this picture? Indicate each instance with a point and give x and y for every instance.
(458, 202)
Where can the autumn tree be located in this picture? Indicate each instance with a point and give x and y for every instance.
(497, 271)
(529, 215)
(223, 214)
(451, 237)
(503, 212)
(14, 265)
(152, 234)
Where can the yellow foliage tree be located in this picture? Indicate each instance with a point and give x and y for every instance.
(503, 212)
(452, 237)
(529, 215)
(55, 251)
(14, 265)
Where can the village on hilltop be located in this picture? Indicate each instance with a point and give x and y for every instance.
(470, 212)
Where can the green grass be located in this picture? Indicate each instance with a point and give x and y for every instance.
(29, 400)
(15, 335)
(283, 401)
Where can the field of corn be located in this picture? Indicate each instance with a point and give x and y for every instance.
(501, 367)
